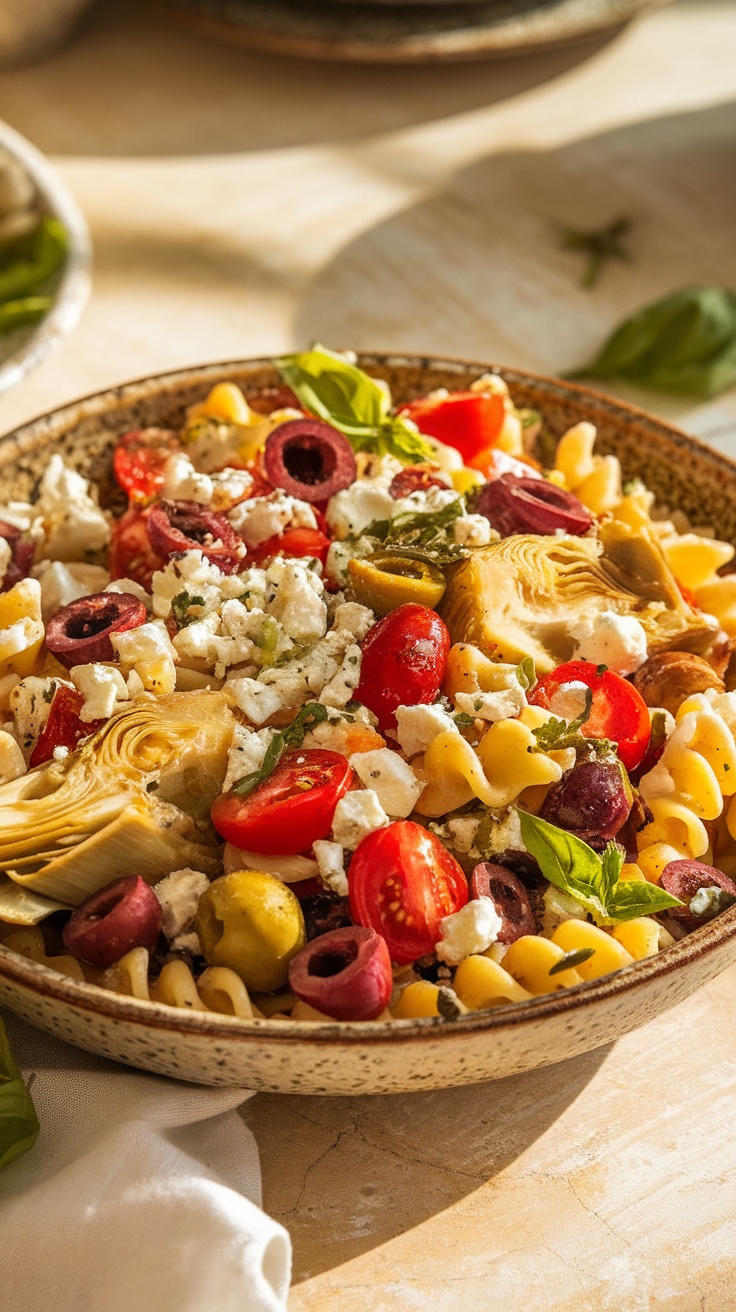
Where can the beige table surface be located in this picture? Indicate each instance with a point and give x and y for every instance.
(242, 204)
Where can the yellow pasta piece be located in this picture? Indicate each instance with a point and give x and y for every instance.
(225, 401)
(454, 776)
(530, 960)
(21, 628)
(574, 454)
(676, 825)
(601, 490)
(694, 559)
(640, 937)
(220, 989)
(481, 983)
(608, 954)
(29, 943)
(718, 597)
(510, 765)
(176, 987)
(465, 480)
(468, 670)
(129, 975)
(418, 999)
(633, 509)
(653, 859)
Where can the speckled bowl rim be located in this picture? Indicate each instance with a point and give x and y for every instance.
(75, 284)
(157, 1016)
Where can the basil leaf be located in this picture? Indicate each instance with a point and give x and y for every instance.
(349, 399)
(683, 343)
(612, 863)
(566, 861)
(18, 1121)
(637, 897)
(290, 737)
(180, 607)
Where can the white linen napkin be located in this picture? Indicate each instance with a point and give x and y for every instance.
(140, 1192)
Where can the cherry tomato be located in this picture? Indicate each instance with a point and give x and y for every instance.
(404, 658)
(64, 728)
(139, 459)
(469, 421)
(294, 542)
(618, 711)
(402, 883)
(131, 553)
(292, 809)
(415, 478)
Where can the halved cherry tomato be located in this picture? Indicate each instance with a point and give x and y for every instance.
(64, 728)
(294, 542)
(402, 883)
(131, 553)
(618, 711)
(404, 659)
(138, 461)
(469, 421)
(291, 810)
(415, 478)
(493, 463)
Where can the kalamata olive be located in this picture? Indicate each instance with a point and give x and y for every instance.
(591, 800)
(683, 879)
(252, 922)
(123, 915)
(309, 459)
(185, 526)
(529, 505)
(80, 632)
(346, 974)
(509, 897)
(324, 912)
(415, 478)
(22, 551)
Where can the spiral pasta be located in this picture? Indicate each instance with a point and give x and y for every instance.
(595, 480)
(687, 788)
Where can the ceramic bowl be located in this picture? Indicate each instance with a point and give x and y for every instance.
(25, 348)
(306, 1057)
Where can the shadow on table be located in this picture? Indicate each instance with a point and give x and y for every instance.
(345, 1175)
(501, 285)
(133, 83)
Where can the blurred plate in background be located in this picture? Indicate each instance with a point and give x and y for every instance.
(378, 31)
(25, 347)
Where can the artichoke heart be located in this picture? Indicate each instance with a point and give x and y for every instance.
(520, 596)
(134, 799)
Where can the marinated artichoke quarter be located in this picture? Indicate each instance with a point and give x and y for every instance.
(521, 596)
(136, 795)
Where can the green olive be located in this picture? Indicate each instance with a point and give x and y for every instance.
(386, 581)
(253, 923)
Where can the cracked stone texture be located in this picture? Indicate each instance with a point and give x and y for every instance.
(604, 1184)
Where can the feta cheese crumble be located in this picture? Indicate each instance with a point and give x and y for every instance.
(391, 779)
(330, 858)
(471, 929)
(357, 814)
(418, 726)
(102, 687)
(616, 641)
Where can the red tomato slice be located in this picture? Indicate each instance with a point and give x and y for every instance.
(63, 728)
(292, 809)
(131, 553)
(618, 711)
(469, 421)
(404, 659)
(494, 462)
(402, 883)
(294, 542)
(138, 461)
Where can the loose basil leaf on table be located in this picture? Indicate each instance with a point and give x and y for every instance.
(592, 880)
(18, 1121)
(683, 343)
(348, 398)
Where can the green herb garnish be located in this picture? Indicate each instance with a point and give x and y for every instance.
(556, 734)
(352, 401)
(593, 881)
(526, 673)
(448, 1003)
(180, 605)
(683, 343)
(18, 1121)
(463, 720)
(283, 740)
(422, 535)
(571, 960)
(598, 245)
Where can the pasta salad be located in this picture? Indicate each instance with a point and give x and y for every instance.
(338, 710)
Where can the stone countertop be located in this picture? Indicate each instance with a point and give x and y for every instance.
(241, 205)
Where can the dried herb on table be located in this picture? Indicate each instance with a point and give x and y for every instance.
(598, 245)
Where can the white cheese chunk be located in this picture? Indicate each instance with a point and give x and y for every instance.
(297, 601)
(569, 700)
(261, 518)
(149, 652)
(246, 754)
(355, 618)
(182, 482)
(505, 704)
(418, 726)
(179, 895)
(392, 780)
(257, 700)
(102, 687)
(330, 859)
(30, 704)
(357, 814)
(616, 641)
(471, 929)
(74, 523)
(472, 531)
(12, 761)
